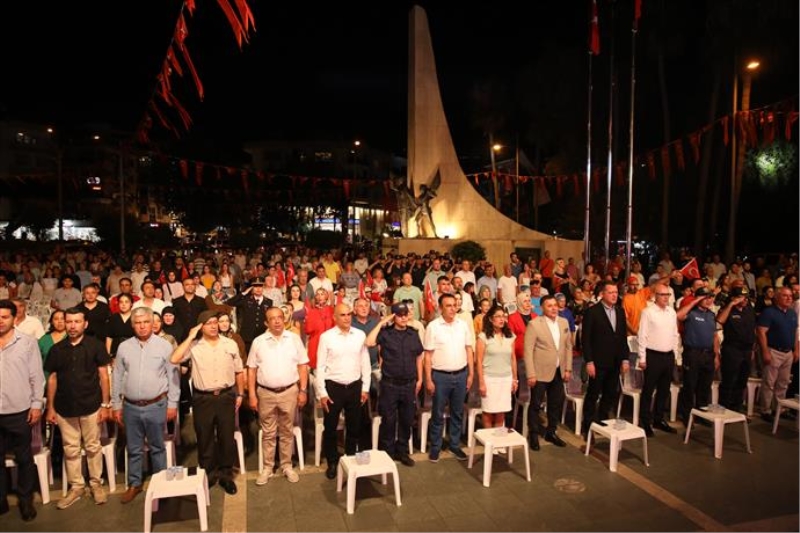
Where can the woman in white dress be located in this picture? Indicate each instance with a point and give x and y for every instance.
(497, 367)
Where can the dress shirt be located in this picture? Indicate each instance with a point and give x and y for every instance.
(77, 368)
(276, 359)
(658, 330)
(552, 325)
(342, 357)
(142, 371)
(611, 313)
(21, 376)
(214, 366)
(448, 341)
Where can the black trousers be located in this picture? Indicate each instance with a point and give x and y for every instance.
(555, 403)
(698, 373)
(735, 370)
(657, 377)
(215, 423)
(397, 407)
(605, 384)
(345, 398)
(15, 437)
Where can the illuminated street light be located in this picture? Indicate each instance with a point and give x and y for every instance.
(753, 65)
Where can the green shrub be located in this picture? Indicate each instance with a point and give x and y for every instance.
(469, 250)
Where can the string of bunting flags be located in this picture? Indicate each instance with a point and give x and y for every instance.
(746, 126)
(177, 59)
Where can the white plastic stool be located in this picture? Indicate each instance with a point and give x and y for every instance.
(577, 399)
(628, 389)
(472, 414)
(715, 392)
(616, 436)
(160, 488)
(785, 403)
(492, 438)
(379, 464)
(719, 419)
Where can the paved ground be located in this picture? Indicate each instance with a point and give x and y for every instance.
(683, 489)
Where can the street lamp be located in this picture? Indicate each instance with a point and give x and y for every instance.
(738, 152)
(494, 148)
(60, 185)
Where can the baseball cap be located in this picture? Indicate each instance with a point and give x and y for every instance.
(400, 309)
(702, 292)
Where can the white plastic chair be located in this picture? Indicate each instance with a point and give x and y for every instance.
(239, 438)
(319, 429)
(424, 415)
(631, 386)
(524, 399)
(573, 394)
(42, 460)
(297, 431)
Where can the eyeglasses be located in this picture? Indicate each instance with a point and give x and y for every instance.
(662, 294)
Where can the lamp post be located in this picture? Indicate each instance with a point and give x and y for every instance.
(738, 152)
(493, 148)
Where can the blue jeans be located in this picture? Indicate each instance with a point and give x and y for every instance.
(450, 388)
(140, 423)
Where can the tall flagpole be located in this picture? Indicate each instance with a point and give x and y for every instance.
(610, 145)
(594, 49)
(629, 230)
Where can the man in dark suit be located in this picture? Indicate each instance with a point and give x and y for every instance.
(605, 351)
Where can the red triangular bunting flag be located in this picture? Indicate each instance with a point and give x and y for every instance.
(198, 173)
(651, 165)
(666, 166)
(679, 155)
(184, 166)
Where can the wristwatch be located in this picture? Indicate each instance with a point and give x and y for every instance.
(106, 405)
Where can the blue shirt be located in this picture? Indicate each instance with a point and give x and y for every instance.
(569, 317)
(366, 328)
(782, 326)
(21, 376)
(699, 329)
(143, 371)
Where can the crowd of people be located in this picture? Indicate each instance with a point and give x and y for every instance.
(138, 343)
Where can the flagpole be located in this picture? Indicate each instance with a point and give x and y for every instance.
(629, 229)
(610, 144)
(587, 258)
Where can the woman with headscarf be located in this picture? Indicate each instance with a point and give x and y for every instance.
(170, 324)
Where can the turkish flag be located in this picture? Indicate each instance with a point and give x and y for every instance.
(290, 273)
(361, 292)
(430, 305)
(594, 31)
(691, 271)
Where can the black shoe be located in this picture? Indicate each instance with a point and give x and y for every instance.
(228, 485)
(663, 426)
(330, 473)
(555, 439)
(26, 510)
(459, 453)
(212, 480)
(3, 506)
(404, 458)
(648, 430)
(533, 442)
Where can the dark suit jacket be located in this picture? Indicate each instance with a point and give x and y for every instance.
(602, 345)
(250, 316)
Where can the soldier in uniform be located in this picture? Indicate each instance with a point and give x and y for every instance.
(401, 360)
(251, 308)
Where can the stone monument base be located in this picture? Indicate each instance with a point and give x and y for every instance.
(498, 251)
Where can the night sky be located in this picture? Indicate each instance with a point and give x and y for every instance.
(338, 70)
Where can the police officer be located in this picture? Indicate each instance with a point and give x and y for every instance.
(251, 308)
(401, 367)
(738, 321)
(701, 356)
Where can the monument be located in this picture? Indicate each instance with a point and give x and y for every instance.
(439, 207)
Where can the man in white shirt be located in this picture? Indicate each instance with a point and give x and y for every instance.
(343, 381)
(507, 287)
(148, 292)
(658, 342)
(466, 274)
(322, 281)
(448, 374)
(25, 323)
(277, 377)
(138, 276)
